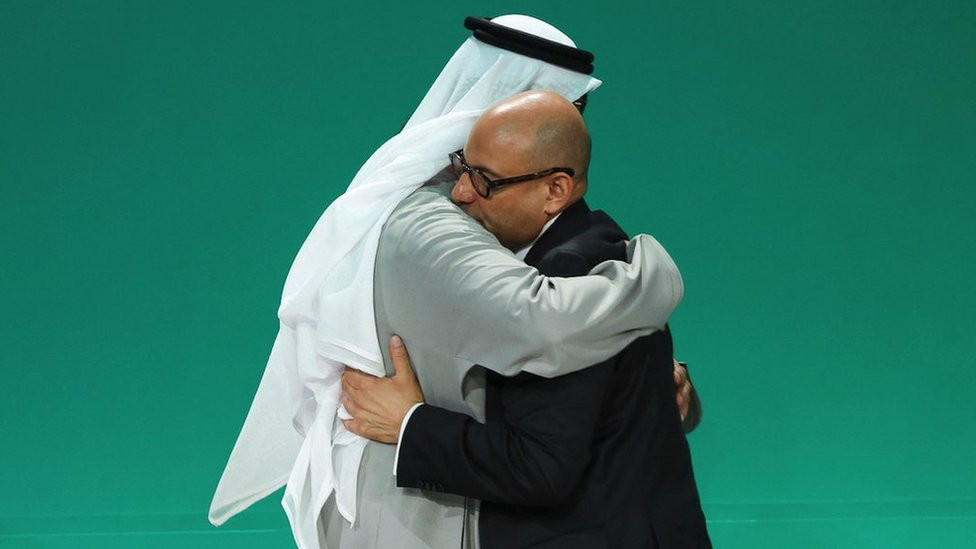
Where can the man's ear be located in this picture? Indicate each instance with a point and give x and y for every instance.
(560, 188)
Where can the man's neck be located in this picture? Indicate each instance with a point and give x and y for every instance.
(524, 250)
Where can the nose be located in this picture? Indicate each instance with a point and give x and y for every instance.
(463, 192)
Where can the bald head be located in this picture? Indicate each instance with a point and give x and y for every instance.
(543, 130)
(536, 132)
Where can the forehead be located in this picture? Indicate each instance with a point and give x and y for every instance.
(496, 150)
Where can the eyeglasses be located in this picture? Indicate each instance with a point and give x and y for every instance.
(483, 185)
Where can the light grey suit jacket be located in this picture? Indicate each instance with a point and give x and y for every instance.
(457, 298)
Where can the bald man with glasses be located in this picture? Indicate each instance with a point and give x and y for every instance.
(594, 458)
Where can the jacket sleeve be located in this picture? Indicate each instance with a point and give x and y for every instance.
(533, 455)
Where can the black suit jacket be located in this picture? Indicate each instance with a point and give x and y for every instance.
(597, 458)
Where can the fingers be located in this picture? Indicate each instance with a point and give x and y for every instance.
(356, 391)
(372, 430)
(400, 357)
(354, 378)
(680, 373)
(350, 383)
(351, 406)
(360, 421)
(683, 388)
(354, 426)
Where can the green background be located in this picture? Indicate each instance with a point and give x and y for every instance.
(810, 165)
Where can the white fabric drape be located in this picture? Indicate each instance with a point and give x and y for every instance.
(326, 313)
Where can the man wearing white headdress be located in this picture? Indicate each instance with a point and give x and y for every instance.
(470, 285)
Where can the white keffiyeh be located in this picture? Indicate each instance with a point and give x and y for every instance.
(326, 313)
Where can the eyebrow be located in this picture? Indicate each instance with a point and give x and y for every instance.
(483, 169)
(487, 171)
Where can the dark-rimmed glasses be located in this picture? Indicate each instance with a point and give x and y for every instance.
(483, 185)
